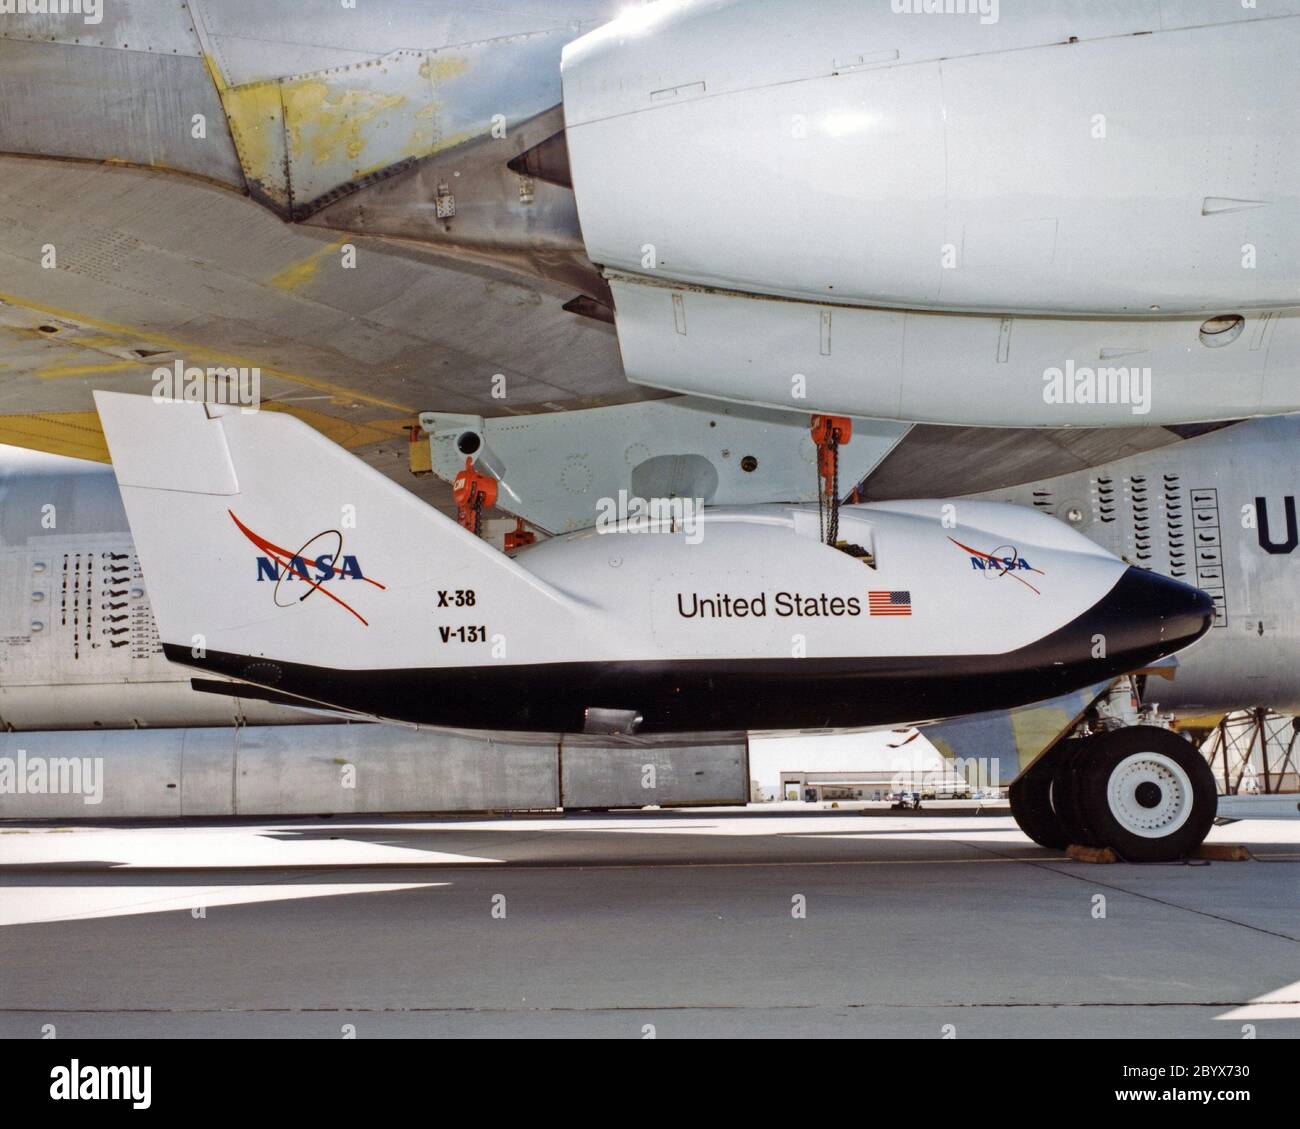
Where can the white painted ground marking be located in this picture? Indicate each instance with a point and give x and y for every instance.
(1282, 1004)
(25, 905)
(212, 848)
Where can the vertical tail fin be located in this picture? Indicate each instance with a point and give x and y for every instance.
(261, 538)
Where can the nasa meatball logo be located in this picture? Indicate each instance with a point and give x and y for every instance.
(319, 560)
(1005, 560)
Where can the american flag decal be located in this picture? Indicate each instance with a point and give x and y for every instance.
(889, 603)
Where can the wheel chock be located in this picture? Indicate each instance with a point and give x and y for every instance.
(1222, 852)
(1091, 854)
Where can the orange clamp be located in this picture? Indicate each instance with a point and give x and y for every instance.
(473, 492)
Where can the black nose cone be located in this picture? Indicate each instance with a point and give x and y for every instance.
(1141, 619)
(1147, 616)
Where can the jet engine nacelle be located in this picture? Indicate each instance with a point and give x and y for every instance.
(1063, 166)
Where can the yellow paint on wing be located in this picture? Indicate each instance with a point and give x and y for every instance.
(320, 119)
(346, 434)
(330, 122)
(443, 67)
(195, 353)
(214, 71)
(59, 372)
(255, 115)
(80, 436)
(295, 274)
(257, 121)
(75, 434)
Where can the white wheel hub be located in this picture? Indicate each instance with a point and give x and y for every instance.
(1149, 795)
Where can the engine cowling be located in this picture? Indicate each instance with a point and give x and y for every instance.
(1049, 214)
(1048, 157)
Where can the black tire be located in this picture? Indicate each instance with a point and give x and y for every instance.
(1067, 792)
(1145, 792)
(1031, 804)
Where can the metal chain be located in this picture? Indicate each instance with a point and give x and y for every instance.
(821, 505)
(833, 533)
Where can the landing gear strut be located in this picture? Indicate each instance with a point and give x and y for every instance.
(1143, 791)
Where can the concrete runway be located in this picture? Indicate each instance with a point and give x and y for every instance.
(680, 923)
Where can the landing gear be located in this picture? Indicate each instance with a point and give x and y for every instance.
(1147, 793)
(1031, 803)
(1143, 791)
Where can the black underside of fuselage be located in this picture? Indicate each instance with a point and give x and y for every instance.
(1143, 618)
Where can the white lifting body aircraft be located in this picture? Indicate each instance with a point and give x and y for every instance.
(586, 255)
(339, 588)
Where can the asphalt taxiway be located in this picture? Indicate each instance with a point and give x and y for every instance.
(763, 921)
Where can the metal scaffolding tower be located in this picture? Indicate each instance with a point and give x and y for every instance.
(1254, 751)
